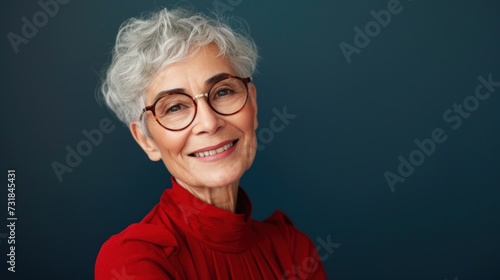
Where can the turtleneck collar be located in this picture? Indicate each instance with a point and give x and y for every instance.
(219, 229)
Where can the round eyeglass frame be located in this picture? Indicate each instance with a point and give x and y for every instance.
(194, 98)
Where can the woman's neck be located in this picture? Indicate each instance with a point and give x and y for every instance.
(220, 197)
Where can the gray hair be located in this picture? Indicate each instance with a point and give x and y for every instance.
(146, 45)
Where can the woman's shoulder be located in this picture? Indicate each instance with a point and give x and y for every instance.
(144, 233)
(279, 232)
(279, 220)
(279, 223)
(142, 246)
(149, 231)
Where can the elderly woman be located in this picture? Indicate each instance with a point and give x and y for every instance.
(182, 83)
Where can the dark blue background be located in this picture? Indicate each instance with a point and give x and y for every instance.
(325, 169)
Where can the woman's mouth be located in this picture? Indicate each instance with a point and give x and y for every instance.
(214, 151)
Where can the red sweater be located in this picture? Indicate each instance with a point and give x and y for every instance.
(186, 238)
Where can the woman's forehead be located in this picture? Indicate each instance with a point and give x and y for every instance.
(192, 73)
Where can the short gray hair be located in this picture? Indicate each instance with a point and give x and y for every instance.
(146, 45)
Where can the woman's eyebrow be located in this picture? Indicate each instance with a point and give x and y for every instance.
(214, 79)
(209, 82)
(163, 92)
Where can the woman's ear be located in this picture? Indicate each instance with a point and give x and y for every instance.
(252, 90)
(147, 143)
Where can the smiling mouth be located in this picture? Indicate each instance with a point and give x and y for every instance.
(214, 151)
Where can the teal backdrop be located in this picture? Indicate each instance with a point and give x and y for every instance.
(379, 132)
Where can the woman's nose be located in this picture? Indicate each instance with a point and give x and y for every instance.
(207, 120)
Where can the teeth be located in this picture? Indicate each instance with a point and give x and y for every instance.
(214, 152)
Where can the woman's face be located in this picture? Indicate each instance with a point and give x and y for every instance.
(209, 130)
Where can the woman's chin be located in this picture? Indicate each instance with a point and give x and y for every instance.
(221, 180)
(220, 174)
(217, 178)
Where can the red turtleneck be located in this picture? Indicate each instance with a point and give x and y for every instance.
(186, 238)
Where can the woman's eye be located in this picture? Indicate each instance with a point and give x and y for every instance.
(174, 108)
(223, 92)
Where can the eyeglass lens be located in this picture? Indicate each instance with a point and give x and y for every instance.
(177, 110)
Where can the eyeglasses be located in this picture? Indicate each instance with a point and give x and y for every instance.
(177, 110)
